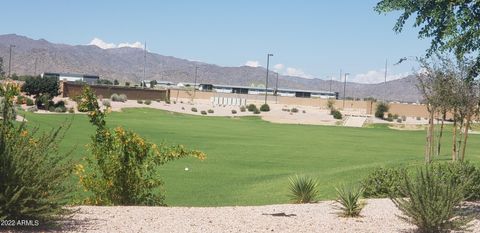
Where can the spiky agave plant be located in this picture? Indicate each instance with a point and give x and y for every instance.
(303, 189)
(349, 200)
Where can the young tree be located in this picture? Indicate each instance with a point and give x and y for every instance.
(2, 72)
(42, 88)
(115, 82)
(452, 25)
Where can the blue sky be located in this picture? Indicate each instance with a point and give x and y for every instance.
(313, 39)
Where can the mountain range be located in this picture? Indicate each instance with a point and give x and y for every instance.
(31, 56)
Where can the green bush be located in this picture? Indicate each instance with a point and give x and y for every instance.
(32, 109)
(86, 100)
(404, 118)
(395, 116)
(461, 172)
(432, 199)
(20, 99)
(203, 112)
(118, 98)
(256, 111)
(60, 109)
(234, 111)
(265, 108)
(381, 109)
(383, 182)
(123, 167)
(337, 114)
(29, 102)
(349, 200)
(399, 120)
(251, 107)
(294, 110)
(194, 110)
(148, 102)
(71, 110)
(242, 109)
(303, 189)
(210, 111)
(140, 101)
(106, 103)
(32, 171)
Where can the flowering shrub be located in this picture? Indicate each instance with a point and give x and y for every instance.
(123, 165)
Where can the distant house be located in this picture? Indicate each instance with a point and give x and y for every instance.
(90, 79)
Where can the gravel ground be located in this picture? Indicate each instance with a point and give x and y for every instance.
(379, 215)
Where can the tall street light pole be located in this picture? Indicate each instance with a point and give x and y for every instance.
(344, 87)
(385, 82)
(331, 81)
(10, 61)
(266, 79)
(276, 90)
(195, 82)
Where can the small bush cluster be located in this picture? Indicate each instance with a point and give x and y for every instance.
(210, 111)
(251, 107)
(242, 109)
(148, 102)
(256, 111)
(294, 110)
(234, 111)
(106, 103)
(194, 110)
(383, 182)
(381, 109)
(203, 112)
(337, 114)
(118, 98)
(140, 101)
(265, 108)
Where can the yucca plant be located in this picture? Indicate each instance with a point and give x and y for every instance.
(303, 189)
(432, 200)
(349, 200)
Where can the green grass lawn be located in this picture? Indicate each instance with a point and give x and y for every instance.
(249, 160)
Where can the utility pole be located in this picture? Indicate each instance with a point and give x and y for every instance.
(340, 77)
(10, 61)
(331, 81)
(35, 69)
(276, 90)
(385, 82)
(144, 61)
(344, 87)
(266, 80)
(195, 82)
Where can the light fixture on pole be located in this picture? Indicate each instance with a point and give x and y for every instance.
(10, 61)
(266, 79)
(344, 88)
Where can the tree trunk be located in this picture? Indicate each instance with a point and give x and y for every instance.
(444, 115)
(465, 137)
(454, 135)
(429, 145)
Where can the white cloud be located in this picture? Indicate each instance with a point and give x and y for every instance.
(375, 76)
(252, 63)
(104, 45)
(297, 72)
(279, 67)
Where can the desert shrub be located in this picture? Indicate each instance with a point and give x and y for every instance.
(251, 107)
(304, 111)
(148, 102)
(331, 104)
(51, 108)
(167, 101)
(20, 99)
(256, 111)
(140, 101)
(183, 108)
(174, 102)
(122, 168)
(404, 118)
(32, 109)
(158, 100)
(29, 102)
(106, 103)
(395, 116)
(71, 110)
(114, 97)
(337, 114)
(60, 109)
(265, 108)
(242, 109)
(118, 98)
(461, 172)
(210, 111)
(381, 109)
(194, 109)
(418, 118)
(32, 171)
(234, 111)
(203, 112)
(432, 200)
(303, 189)
(349, 200)
(399, 120)
(294, 110)
(383, 182)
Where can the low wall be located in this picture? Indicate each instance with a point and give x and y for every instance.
(70, 89)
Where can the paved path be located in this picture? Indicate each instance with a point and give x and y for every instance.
(355, 121)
